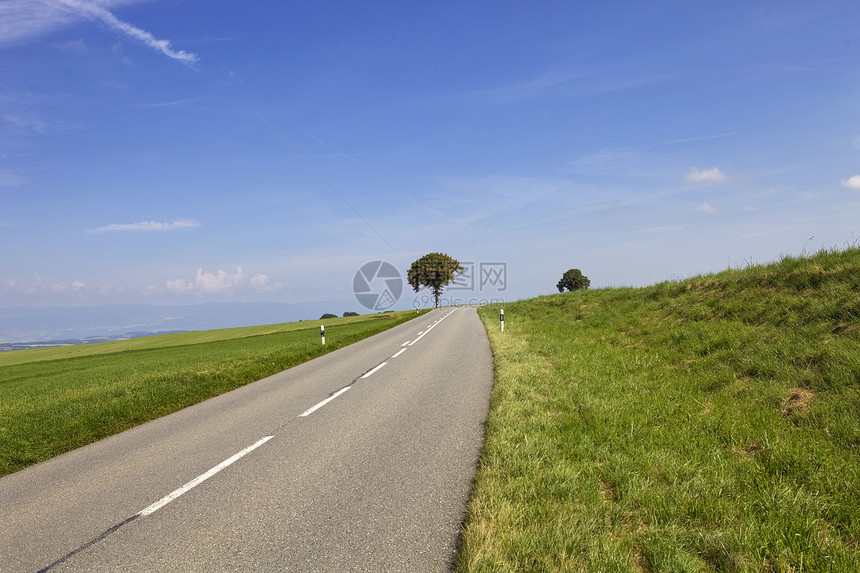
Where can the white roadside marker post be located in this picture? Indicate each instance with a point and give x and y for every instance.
(502, 319)
(322, 333)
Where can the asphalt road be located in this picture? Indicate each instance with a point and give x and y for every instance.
(335, 465)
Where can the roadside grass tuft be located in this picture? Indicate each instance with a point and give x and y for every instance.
(710, 424)
(54, 400)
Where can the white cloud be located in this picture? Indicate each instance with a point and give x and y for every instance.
(24, 19)
(96, 12)
(696, 175)
(218, 282)
(852, 182)
(259, 281)
(179, 285)
(706, 208)
(37, 285)
(146, 226)
(21, 20)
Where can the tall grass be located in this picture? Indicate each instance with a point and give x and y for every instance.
(56, 399)
(711, 424)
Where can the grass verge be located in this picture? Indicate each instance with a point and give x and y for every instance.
(54, 400)
(711, 424)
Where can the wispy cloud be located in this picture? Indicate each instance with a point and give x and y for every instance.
(146, 226)
(557, 82)
(36, 284)
(714, 175)
(525, 89)
(852, 182)
(660, 229)
(97, 12)
(174, 103)
(28, 123)
(78, 46)
(699, 138)
(21, 20)
(10, 178)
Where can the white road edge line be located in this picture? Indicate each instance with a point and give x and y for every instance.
(201, 478)
(374, 369)
(313, 409)
(399, 352)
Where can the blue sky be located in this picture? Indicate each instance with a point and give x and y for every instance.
(176, 152)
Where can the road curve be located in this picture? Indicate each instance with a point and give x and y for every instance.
(360, 460)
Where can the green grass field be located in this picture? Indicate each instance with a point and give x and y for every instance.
(53, 400)
(711, 424)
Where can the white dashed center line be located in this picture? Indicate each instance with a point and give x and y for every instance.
(201, 478)
(316, 407)
(372, 370)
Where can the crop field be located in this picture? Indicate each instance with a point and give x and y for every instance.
(709, 424)
(53, 400)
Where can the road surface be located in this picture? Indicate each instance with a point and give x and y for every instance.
(360, 460)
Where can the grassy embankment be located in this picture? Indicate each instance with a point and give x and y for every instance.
(711, 424)
(54, 400)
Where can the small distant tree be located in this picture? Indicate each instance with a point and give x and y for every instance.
(434, 271)
(573, 279)
(328, 315)
(350, 313)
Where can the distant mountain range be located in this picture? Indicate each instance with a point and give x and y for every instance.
(7, 346)
(75, 325)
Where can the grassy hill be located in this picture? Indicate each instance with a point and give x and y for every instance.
(54, 400)
(711, 424)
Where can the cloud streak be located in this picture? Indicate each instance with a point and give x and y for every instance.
(10, 178)
(21, 20)
(26, 123)
(96, 12)
(146, 226)
(699, 138)
(559, 81)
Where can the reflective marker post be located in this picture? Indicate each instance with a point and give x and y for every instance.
(322, 333)
(502, 319)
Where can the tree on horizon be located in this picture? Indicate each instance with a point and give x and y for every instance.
(434, 271)
(573, 279)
